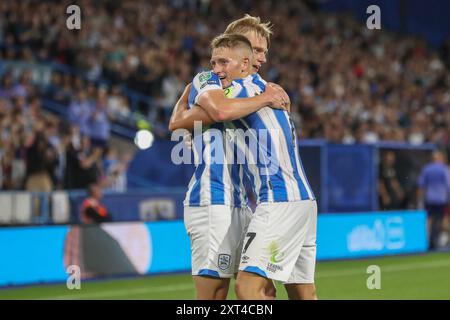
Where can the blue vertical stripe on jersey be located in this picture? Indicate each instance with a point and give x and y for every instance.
(256, 80)
(243, 93)
(263, 194)
(277, 180)
(216, 178)
(287, 132)
(199, 147)
(240, 125)
(235, 179)
(194, 199)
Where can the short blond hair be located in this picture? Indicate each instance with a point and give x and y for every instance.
(231, 41)
(251, 24)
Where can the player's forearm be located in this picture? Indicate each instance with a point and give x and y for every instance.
(242, 107)
(185, 119)
(177, 114)
(222, 109)
(180, 108)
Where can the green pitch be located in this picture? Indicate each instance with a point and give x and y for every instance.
(402, 277)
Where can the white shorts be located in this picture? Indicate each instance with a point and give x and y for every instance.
(280, 243)
(216, 233)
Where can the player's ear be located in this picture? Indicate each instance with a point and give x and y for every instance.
(245, 64)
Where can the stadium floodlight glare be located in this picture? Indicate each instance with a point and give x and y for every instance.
(144, 139)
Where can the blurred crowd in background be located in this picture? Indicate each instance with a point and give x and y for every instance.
(42, 152)
(347, 84)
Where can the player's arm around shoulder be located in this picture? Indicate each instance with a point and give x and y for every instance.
(221, 109)
(184, 117)
(209, 94)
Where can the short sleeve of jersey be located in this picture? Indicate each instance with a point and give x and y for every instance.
(203, 82)
(260, 82)
(257, 78)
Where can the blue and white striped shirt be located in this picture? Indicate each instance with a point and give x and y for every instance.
(269, 144)
(215, 181)
(262, 146)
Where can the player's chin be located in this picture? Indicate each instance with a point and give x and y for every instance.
(255, 68)
(225, 83)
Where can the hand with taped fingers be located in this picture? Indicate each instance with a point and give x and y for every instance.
(279, 97)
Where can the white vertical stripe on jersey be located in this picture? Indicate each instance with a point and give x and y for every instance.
(243, 192)
(188, 193)
(256, 170)
(205, 180)
(270, 122)
(253, 90)
(249, 160)
(228, 196)
(289, 169)
(193, 179)
(240, 141)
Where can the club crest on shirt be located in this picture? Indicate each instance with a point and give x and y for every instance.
(205, 76)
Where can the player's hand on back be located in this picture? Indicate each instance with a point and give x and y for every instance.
(278, 97)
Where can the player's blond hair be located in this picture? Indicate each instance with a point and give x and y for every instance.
(251, 24)
(231, 41)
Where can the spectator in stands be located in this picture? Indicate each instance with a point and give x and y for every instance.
(52, 90)
(19, 147)
(26, 129)
(92, 209)
(118, 108)
(172, 87)
(79, 112)
(390, 190)
(434, 193)
(6, 162)
(24, 87)
(66, 91)
(110, 158)
(33, 112)
(41, 162)
(116, 171)
(98, 122)
(6, 86)
(89, 163)
(72, 144)
(57, 135)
